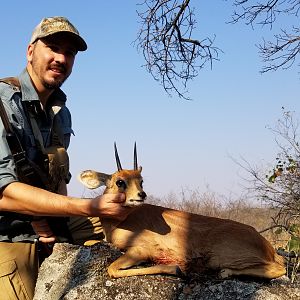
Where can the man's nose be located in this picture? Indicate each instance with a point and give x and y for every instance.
(60, 57)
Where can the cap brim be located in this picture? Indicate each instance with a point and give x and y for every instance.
(79, 42)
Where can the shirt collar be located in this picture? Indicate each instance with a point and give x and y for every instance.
(29, 93)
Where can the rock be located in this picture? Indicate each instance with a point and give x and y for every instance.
(77, 272)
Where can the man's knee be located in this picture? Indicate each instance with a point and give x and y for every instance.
(85, 228)
(18, 270)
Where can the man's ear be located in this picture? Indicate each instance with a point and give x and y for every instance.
(92, 179)
(29, 53)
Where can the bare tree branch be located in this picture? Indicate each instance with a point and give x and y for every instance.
(282, 53)
(285, 49)
(173, 57)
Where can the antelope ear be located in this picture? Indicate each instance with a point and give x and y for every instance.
(92, 179)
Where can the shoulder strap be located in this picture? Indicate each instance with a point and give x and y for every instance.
(14, 81)
(17, 148)
(35, 129)
(12, 139)
(5, 119)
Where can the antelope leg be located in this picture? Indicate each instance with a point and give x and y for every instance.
(133, 257)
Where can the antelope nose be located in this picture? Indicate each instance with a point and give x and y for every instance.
(142, 195)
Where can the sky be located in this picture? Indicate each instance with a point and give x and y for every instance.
(181, 144)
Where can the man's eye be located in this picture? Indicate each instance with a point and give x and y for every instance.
(71, 53)
(53, 48)
(121, 184)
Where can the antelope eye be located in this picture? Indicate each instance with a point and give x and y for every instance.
(141, 183)
(121, 184)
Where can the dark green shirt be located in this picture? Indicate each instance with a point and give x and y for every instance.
(12, 227)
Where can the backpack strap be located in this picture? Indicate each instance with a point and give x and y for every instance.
(14, 143)
(7, 126)
(13, 81)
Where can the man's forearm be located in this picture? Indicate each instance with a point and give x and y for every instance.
(25, 199)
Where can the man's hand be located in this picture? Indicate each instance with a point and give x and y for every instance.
(42, 229)
(110, 206)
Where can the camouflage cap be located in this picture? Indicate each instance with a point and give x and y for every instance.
(53, 25)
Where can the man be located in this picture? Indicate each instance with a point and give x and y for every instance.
(35, 107)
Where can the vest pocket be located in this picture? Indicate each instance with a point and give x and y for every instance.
(11, 285)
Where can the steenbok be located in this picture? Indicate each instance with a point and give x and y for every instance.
(175, 241)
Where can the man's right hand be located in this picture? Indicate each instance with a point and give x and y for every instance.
(110, 206)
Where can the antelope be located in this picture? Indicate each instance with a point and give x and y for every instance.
(177, 242)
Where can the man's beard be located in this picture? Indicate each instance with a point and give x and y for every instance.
(54, 85)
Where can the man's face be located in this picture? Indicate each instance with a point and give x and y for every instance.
(51, 60)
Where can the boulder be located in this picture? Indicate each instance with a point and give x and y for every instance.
(79, 272)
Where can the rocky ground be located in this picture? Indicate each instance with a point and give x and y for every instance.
(77, 272)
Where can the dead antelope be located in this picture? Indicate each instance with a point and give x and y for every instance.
(176, 241)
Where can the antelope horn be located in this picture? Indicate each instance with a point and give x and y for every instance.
(117, 158)
(135, 164)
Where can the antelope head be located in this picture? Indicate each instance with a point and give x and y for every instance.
(129, 182)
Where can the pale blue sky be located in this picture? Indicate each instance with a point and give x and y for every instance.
(181, 144)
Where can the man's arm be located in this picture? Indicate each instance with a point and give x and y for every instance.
(25, 199)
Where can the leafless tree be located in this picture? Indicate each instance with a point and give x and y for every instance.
(280, 186)
(171, 53)
(283, 51)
